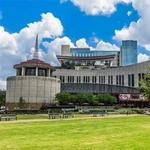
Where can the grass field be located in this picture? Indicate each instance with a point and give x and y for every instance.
(118, 133)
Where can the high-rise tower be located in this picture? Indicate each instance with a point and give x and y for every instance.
(128, 53)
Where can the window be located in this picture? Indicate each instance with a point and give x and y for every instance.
(84, 80)
(87, 79)
(111, 80)
(19, 72)
(30, 72)
(78, 79)
(42, 72)
(139, 76)
(62, 78)
(108, 79)
(131, 80)
(93, 79)
(101, 79)
(122, 80)
(117, 80)
(143, 75)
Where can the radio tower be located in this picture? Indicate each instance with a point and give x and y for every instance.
(36, 49)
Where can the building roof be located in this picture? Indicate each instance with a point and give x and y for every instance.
(33, 63)
(87, 57)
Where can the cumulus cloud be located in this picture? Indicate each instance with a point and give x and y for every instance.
(48, 27)
(142, 57)
(2, 85)
(82, 43)
(97, 7)
(129, 13)
(7, 42)
(15, 46)
(139, 30)
(54, 48)
(102, 45)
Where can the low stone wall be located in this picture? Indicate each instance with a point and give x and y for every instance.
(30, 106)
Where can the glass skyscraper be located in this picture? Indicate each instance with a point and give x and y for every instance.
(128, 53)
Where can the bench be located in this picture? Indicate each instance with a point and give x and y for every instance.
(67, 115)
(54, 115)
(8, 117)
(96, 114)
(147, 112)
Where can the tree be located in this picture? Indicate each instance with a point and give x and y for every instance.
(144, 86)
(2, 97)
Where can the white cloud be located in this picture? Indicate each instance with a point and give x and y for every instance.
(101, 45)
(139, 30)
(97, 7)
(2, 85)
(54, 48)
(48, 27)
(142, 57)
(16, 46)
(129, 13)
(7, 42)
(82, 43)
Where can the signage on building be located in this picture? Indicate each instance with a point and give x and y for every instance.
(132, 97)
(124, 97)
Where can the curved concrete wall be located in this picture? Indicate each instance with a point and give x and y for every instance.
(34, 90)
(125, 70)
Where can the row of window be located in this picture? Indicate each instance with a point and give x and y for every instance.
(86, 79)
(120, 79)
(32, 72)
(84, 54)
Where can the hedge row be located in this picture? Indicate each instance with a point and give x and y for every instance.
(65, 98)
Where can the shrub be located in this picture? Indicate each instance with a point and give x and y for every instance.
(82, 98)
(107, 99)
(64, 98)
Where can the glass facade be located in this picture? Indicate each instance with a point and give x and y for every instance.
(128, 55)
(86, 52)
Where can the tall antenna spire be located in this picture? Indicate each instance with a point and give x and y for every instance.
(36, 50)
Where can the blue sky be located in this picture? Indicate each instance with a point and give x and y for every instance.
(97, 24)
(18, 13)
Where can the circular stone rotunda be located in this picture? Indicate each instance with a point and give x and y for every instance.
(33, 84)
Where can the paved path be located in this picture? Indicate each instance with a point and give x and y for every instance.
(75, 118)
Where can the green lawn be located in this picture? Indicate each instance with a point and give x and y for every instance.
(120, 133)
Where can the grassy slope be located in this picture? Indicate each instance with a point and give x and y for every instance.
(122, 133)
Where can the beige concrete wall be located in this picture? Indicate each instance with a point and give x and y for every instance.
(32, 89)
(131, 69)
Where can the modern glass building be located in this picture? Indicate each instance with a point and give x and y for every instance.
(87, 57)
(86, 52)
(128, 53)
